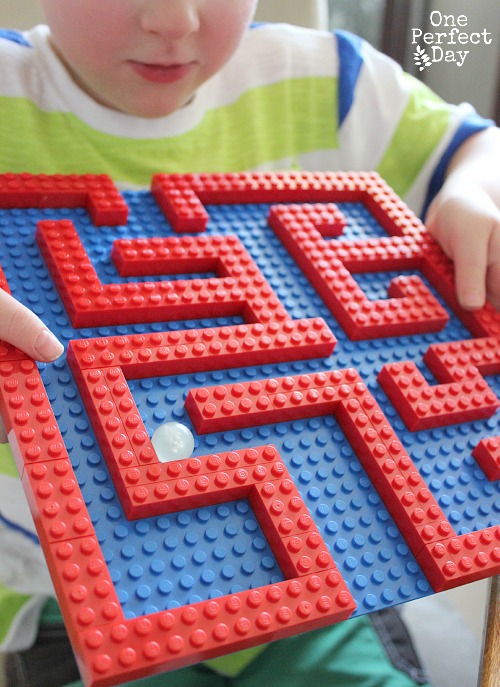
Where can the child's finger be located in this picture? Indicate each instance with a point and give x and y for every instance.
(22, 328)
(493, 278)
(471, 262)
(470, 286)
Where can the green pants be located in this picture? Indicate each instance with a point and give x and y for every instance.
(349, 654)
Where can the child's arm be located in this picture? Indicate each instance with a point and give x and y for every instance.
(464, 218)
(21, 327)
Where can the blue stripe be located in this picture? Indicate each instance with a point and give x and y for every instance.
(22, 530)
(14, 37)
(350, 63)
(470, 126)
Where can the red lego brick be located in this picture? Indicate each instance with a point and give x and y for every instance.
(487, 454)
(30, 422)
(411, 307)
(252, 187)
(181, 206)
(148, 499)
(206, 349)
(152, 495)
(56, 502)
(422, 406)
(97, 193)
(327, 218)
(470, 557)
(156, 473)
(293, 187)
(484, 322)
(289, 527)
(114, 416)
(262, 402)
(305, 553)
(381, 254)
(160, 487)
(458, 361)
(83, 584)
(3, 281)
(19, 191)
(9, 352)
(173, 255)
(117, 443)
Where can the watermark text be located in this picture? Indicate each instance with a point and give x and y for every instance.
(443, 44)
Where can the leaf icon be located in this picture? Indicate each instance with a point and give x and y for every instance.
(422, 59)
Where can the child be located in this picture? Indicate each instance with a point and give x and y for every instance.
(132, 87)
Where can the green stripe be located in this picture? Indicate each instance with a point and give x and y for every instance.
(267, 123)
(7, 463)
(421, 128)
(233, 664)
(10, 605)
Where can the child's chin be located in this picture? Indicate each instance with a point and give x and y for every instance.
(155, 110)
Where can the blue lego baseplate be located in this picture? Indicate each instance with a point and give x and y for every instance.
(167, 561)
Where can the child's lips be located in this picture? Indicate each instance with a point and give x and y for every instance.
(161, 73)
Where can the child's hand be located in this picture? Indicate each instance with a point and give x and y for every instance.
(466, 223)
(464, 218)
(22, 328)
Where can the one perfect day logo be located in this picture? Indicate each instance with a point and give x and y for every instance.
(447, 40)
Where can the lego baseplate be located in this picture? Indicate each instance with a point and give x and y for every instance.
(304, 326)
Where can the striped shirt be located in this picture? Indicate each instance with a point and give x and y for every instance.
(309, 101)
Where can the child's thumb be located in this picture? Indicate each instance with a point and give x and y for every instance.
(22, 328)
